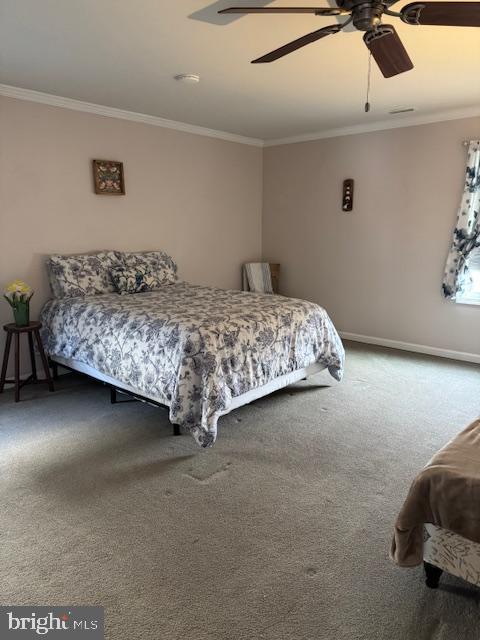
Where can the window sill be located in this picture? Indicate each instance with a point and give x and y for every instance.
(472, 300)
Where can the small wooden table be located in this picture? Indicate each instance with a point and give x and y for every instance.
(32, 331)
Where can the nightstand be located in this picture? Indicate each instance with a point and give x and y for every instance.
(33, 332)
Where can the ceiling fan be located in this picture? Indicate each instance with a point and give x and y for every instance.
(381, 39)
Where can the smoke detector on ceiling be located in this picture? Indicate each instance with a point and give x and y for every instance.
(188, 78)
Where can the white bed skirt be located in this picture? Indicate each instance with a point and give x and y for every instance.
(237, 401)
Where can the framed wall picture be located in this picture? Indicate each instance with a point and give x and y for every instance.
(108, 177)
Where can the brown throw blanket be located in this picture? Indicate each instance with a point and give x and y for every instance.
(446, 493)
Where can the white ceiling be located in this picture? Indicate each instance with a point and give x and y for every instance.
(124, 53)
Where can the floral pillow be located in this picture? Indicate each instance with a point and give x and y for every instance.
(156, 263)
(135, 280)
(82, 275)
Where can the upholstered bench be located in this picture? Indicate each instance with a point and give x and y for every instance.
(439, 522)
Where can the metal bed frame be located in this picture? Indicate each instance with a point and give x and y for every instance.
(114, 391)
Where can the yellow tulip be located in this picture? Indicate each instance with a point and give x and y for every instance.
(18, 291)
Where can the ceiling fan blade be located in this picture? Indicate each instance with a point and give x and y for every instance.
(449, 14)
(297, 44)
(388, 50)
(319, 11)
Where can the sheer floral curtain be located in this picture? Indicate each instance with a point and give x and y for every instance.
(466, 235)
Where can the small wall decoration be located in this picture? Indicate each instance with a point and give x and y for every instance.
(108, 177)
(347, 199)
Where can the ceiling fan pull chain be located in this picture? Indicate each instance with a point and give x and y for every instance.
(369, 74)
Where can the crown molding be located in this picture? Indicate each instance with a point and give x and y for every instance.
(112, 112)
(381, 125)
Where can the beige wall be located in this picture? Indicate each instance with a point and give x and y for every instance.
(377, 270)
(197, 198)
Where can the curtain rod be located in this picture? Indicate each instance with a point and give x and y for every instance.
(466, 142)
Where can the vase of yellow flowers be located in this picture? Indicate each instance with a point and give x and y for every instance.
(18, 295)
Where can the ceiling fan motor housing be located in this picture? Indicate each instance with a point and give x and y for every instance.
(365, 15)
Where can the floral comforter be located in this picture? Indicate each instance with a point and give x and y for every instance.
(192, 347)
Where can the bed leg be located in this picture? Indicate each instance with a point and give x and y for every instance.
(432, 574)
(113, 395)
(176, 430)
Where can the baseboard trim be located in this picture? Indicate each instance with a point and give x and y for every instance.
(9, 386)
(410, 346)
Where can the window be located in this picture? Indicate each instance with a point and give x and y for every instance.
(472, 294)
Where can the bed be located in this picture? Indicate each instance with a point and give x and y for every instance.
(198, 350)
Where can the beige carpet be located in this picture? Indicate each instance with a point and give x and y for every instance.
(281, 531)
